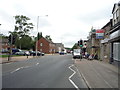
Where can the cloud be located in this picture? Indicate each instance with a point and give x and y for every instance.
(67, 21)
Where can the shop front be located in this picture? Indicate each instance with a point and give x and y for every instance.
(115, 46)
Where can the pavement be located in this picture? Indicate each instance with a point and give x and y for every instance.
(98, 74)
(15, 59)
(19, 58)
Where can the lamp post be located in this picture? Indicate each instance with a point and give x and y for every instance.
(37, 36)
(37, 32)
(20, 41)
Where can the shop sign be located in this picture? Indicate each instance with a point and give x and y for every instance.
(99, 34)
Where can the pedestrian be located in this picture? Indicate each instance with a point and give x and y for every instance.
(27, 53)
(80, 56)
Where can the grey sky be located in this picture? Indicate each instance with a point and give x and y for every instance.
(67, 21)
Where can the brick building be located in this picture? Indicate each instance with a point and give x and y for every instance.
(45, 46)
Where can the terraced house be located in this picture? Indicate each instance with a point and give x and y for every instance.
(115, 34)
(45, 46)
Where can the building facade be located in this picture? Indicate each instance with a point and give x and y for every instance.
(4, 45)
(93, 44)
(59, 47)
(105, 45)
(46, 46)
(115, 34)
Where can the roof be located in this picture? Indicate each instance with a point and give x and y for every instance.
(115, 6)
(109, 23)
(47, 40)
(59, 44)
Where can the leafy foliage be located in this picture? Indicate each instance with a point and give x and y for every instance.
(48, 37)
(39, 35)
(22, 27)
(21, 32)
(75, 46)
(25, 42)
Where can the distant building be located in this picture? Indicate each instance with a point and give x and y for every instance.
(93, 44)
(4, 45)
(59, 47)
(46, 46)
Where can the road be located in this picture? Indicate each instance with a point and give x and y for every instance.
(50, 71)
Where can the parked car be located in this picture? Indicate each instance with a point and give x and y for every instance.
(61, 53)
(20, 53)
(31, 53)
(38, 53)
(4, 51)
(14, 50)
(34, 53)
(27, 53)
(42, 53)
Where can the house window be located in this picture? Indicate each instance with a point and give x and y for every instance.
(117, 15)
(41, 44)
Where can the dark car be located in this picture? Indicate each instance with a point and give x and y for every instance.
(34, 53)
(14, 50)
(42, 53)
(61, 53)
(31, 53)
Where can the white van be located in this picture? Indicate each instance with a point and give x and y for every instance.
(76, 53)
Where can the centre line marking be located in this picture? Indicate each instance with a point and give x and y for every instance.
(19, 69)
(72, 76)
(16, 70)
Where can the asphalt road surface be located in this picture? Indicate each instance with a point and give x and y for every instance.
(50, 71)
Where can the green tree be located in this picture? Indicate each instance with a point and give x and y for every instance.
(21, 31)
(22, 27)
(48, 37)
(25, 42)
(39, 35)
(75, 46)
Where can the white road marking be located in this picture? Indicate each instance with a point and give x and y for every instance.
(37, 64)
(19, 69)
(72, 76)
(16, 70)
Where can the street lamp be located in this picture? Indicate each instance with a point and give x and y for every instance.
(37, 32)
(20, 41)
(37, 36)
